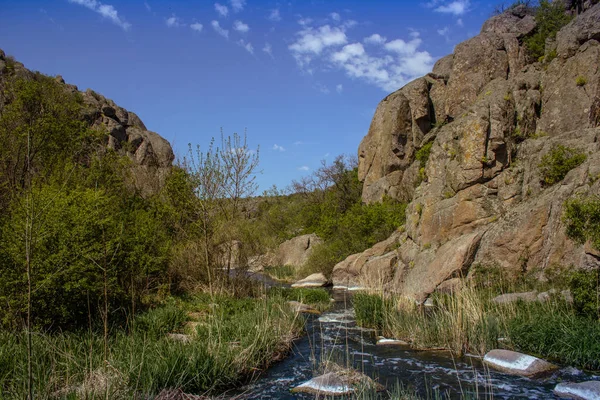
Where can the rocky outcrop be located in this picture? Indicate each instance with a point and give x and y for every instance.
(489, 115)
(151, 154)
(294, 252)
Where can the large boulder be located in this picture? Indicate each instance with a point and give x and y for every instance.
(296, 251)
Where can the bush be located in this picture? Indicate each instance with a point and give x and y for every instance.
(422, 155)
(586, 294)
(550, 16)
(581, 80)
(558, 162)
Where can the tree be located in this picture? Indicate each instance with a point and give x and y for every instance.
(221, 179)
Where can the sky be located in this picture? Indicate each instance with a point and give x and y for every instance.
(301, 77)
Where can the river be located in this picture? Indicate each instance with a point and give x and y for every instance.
(335, 336)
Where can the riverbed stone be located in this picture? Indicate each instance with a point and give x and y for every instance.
(329, 384)
(512, 362)
(381, 341)
(589, 390)
(508, 298)
(312, 281)
(337, 381)
(301, 308)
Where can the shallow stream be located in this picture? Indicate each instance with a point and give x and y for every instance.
(335, 336)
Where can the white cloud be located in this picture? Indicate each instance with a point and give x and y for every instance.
(274, 15)
(237, 5)
(403, 48)
(338, 88)
(240, 27)
(459, 22)
(105, 10)
(443, 32)
(219, 30)
(335, 16)
(389, 65)
(303, 168)
(298, 143)
(268, 49)
(196, 27)
(246, 45)
(375, 38)
(277, 147)
(312, 41)
(457, 7)
(147, 6)
(173, 22)
(221, 9)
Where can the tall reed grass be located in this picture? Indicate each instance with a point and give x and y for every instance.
(468, 321)
(230, 341)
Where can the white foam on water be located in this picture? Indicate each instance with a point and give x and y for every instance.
(338, 389)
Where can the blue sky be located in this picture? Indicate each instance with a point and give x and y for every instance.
(303, 77)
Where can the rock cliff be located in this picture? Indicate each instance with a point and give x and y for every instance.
(485, 117)
(151, 154)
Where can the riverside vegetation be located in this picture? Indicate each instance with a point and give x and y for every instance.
(109, 290)
(117, 290)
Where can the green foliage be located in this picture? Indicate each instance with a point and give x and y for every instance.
(39, 133)
(584, 286)
(550, 16)
(582, 220)
(80, 233)
(555, 165)
(581, 80)
(369, 309)
(353, 232)
(423, 153)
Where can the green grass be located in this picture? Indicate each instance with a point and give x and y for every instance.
(469, 322)
(318, 298)
(285, 273)
(235, 338)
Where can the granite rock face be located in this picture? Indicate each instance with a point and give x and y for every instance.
(489, 115)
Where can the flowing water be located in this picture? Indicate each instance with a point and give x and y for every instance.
(335, 336)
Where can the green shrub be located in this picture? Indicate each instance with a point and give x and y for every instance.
(422, 155)
(581, 80)
(558, 162)
(586, 293)
(550, 16)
